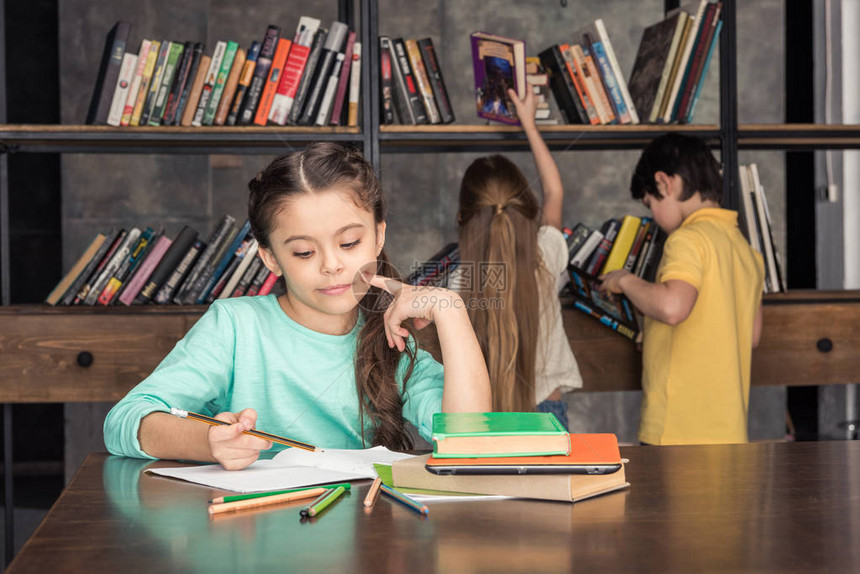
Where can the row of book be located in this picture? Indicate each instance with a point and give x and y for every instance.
(756, 217)
(313, 79)
(587, 81)
(412, 89)
(132, 267)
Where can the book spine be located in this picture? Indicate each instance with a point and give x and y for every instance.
(688, 115)
(120, 94)
(136, 82)
(220, 81)
(195, 280)
(282, 103)
(308, 77)
(108, 73)
(579, 86)
(354, 87)
(583, 254)
(609, 79)
(386, 81)
(244, 81)
(209, 83)
(333, 45)
(173, 57)
(196, 91)
(183, 68)
(126, 268)
(155, 83)
(607, 320)
(146, 80)
(562, 86)
(250, 283)
(329, 93)
(437, 82)
(76, 270)
(115, 241)
(422, 81)
(343, 82)
(230, 88)
(272, 82)
(147, 266)
(409, 87)
(261, 72)
(93, 263)
(630, 263)
(165, 293)
(268, 284)
(235, 246)
(585, 72)
(188, 83)
(245, 262)
(112, 266)
(174, 254)
(613, 62)
(598, 258)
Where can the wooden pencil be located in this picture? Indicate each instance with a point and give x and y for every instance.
(373, 493)
(264, 500)
(253, 432)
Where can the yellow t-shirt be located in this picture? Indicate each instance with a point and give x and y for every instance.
(696, 375)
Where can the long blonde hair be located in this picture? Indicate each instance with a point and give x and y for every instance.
(499, 218)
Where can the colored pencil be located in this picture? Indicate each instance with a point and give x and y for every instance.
(264, 501)
(235, 497)
(373, 493)
(321, 503)
(405, 500)
(252, 432)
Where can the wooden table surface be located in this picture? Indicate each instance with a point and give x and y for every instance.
(766, 507)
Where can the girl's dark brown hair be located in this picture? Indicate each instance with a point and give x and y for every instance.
(321, 167)
(498, 224)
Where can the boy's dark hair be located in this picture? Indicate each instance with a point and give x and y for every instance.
(683, 155)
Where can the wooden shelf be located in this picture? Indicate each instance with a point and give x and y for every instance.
(167, 139)
(798, 136)
(809, 338)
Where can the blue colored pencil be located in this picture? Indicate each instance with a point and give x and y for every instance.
(405, 500)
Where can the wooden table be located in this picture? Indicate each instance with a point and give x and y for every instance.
(775, 507)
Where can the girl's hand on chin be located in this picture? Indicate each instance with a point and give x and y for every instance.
(423, 304)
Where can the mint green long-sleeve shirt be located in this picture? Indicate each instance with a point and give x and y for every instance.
(247, 353)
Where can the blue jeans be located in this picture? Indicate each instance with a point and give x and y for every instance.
(558, 408)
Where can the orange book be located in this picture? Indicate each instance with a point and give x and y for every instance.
(230, 88)
(196, 90)
(271, 87)
(579, 84)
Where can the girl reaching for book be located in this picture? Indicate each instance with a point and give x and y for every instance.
(332, 361)
(517, 252)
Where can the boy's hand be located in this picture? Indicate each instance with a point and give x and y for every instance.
(230, 446)
(525, 108)
(611, 282)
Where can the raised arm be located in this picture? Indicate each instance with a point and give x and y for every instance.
(550, 179)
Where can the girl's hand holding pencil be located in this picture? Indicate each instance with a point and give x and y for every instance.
(229, 444)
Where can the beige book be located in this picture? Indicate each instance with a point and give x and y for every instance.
(196, 90)
(230, 88)
(145, 80)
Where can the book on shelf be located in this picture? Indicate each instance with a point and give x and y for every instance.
(655, 48)
(232, 273)
(269, 284)
(108, 73)
(198, 275)
(76, 270)
(112, 266)
(145, 81)
(190, 105)
(135, 254)
(412, 473)
(609, 229)
(538, 81)
(499, 64)
(245, 264)
(209, 82)
(407, 99)
(294, 67)
(123, 84)
(217, 93)
(242, 84)
(465, 435)
(588, 247)
(386, 82)
(306, 80)
(354, 87)
(575, 237)
(699, 65)
(136, 82)
(595, 39)
(230, 87)
(175, 252)
(167, 79)
(166, 293)
(113, 241)
(775, 281)
(261, 73)
(747, 210)
(583, 93)
(155, 83)
(613, 310)
(334, 43)
(252, 280)
(340, 99)
(180, 79)
(584, 63)
(437, 81)
(621, 245)
(696, 11)
(671, 71)
(270, 87)
(562, 86)
(324, 110)
(648, 237)
(235, 245)
(422, 81)
(440, 260)
(638, 242)
(153, 257)
(135, 268)
(93, 263)
(653, 254)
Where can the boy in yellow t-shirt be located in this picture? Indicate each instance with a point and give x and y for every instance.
(703, 313)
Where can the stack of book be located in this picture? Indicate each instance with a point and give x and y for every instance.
(441, 270)
(672, 62)
(527, 455)
(412, 89)
(630, 243)
(756, 217)
(311, 79)
(132, 267)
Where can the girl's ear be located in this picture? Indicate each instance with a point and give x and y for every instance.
(269, 261)
(380, 237)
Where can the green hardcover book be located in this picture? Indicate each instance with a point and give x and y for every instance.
(167, 78)
(155, 83)
(220, 80)
(460, 435)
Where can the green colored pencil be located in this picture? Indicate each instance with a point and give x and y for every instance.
(322, 502)
(236, 497)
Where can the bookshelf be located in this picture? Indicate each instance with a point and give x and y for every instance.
(26, 330)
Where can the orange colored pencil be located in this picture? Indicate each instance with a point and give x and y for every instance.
(264, 500)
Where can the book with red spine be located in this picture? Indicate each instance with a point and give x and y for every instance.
(282, 103)
(343, 82)
(272, 81)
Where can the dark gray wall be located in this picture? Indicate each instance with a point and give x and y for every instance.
(103, 191)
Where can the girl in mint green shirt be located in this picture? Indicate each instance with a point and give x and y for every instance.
(331, 362)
